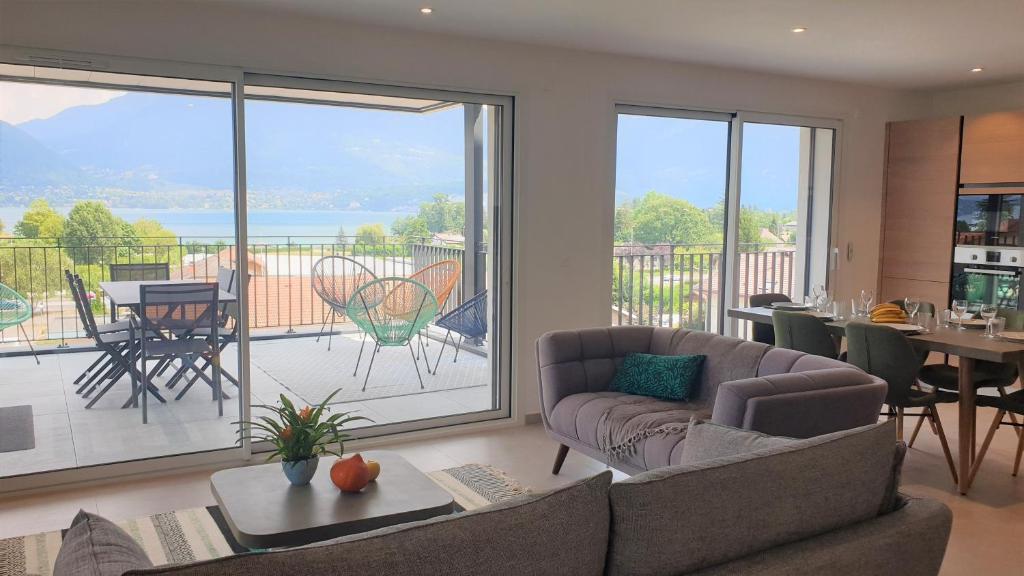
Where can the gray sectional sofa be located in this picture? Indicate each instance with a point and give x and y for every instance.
(744, 384)
(740, 504)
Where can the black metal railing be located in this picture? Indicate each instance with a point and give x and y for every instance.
(680, 285)
(281, 291)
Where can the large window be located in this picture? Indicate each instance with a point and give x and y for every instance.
(714, 208)
(366, 255)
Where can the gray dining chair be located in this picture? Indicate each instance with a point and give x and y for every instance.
(175, 311)
(140, 271)
(804, 333)
(765, 333)
(1007, 404)
(885, 352)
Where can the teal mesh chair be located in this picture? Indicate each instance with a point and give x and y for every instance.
(15, 311)
(392, 311)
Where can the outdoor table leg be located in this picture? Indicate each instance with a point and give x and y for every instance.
(967, 415)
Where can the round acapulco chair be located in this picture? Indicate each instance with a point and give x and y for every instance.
(335, 280)
(441, 277)
(15, 311)
(391, 311)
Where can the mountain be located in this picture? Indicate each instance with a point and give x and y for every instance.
(171, 150)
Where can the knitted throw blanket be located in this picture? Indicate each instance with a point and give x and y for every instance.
(623, 426)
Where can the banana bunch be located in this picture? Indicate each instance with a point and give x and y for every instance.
(888, 314)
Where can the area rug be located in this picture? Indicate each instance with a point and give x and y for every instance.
(16, 429)
(202, 533)
(308, 369)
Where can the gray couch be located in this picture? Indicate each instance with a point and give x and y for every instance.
(740, 504)
(744, 384)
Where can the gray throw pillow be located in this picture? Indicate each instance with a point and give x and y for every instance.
(95, 546)
(714, 511)
(707, 441)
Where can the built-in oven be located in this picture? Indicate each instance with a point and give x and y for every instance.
(988, 275)
(988, 219)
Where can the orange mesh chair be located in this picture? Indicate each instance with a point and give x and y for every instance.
(440, 278)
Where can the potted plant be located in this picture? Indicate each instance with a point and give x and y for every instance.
(299, 436)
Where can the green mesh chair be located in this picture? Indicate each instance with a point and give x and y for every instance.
(15, 311)
(392, 311)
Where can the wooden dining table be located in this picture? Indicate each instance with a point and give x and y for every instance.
(968, 345)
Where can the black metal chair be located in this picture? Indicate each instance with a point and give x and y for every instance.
(1011, 404)
(335, 280)
(227, 330)
(468, 320)
(885, 352)
(170, 310)
(765, 333)
(140, 272)
(104, 362)
(118, 348)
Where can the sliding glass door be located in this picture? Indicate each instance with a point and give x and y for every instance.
(713, 208)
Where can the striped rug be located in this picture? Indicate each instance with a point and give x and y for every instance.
(202, 533)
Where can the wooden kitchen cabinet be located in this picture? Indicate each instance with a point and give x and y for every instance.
(920, 208)
(993, 148)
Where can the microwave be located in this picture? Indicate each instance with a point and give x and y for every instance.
(989, 220)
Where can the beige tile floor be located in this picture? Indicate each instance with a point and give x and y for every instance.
(988, 524)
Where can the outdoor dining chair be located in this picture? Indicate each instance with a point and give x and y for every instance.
(15, 311)
(95, 373)
(335, 280)
(391, 311)
(140, 272)
(468, 320)
(173, 312)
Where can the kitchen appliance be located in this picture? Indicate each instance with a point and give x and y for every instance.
(988, 220)
(988, 275)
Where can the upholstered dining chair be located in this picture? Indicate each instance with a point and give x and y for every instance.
(335, 280)
(885, 352)
(765, 333)
(804, 333)
(1011, 404)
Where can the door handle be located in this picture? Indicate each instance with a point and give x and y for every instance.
(990, 272)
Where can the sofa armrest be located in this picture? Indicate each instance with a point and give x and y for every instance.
(801, 404)
(910, 541)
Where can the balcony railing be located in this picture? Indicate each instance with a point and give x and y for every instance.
(281, 291)
(680, 285)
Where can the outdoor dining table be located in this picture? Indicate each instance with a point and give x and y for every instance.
(125, 293)
(969, 345)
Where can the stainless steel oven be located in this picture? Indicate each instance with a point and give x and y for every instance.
(988, 275)
(988, 220)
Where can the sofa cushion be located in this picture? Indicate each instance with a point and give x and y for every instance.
(662, 377)
(707, 441)
(717, 510)
(563, 531)
(95, 546)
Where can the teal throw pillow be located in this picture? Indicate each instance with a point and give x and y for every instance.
(664, 377)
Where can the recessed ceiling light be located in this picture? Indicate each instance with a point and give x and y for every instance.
(426, 10)
(799, 30)
(977, 69)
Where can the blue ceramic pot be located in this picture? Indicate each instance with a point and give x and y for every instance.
(300, 472)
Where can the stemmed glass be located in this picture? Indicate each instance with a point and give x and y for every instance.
(959, 309)
(911, 305)
(867, 297)
(988, 312)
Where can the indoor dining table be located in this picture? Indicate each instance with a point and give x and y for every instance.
(968, 345)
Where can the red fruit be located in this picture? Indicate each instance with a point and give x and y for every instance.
(350, 474)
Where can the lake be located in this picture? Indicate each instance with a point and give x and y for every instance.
(202, 224)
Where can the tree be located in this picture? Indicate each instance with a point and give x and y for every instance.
(1, 227)
(443, 215)
(40, 221)
(341, 238)
(661, 219)
(624, 227)
(370, 234)
(152, 233)
(410, 228)
(96, 236)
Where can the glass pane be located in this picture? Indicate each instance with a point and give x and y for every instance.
(361, 211)
(670, 190)
(114, 178)
(785, 214)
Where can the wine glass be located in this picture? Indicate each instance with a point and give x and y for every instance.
(988, 312)
(960, 309)
(911, 305)
(867, 297)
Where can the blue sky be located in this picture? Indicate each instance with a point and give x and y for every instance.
(687, 159)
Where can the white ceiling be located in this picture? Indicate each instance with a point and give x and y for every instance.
(898, 43)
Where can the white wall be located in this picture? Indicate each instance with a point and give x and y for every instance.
(565, 126)
(980, 100)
